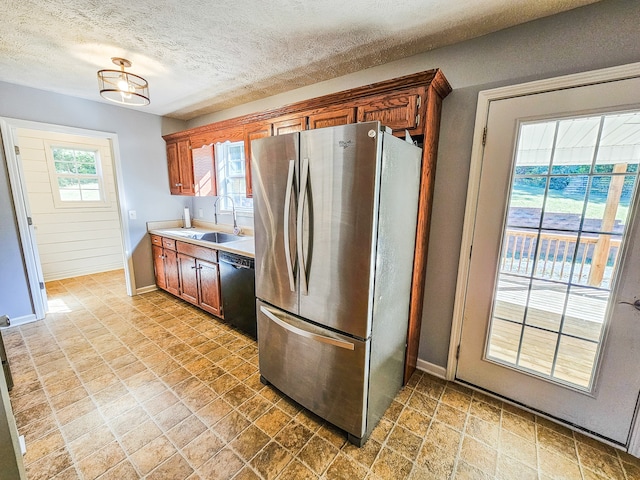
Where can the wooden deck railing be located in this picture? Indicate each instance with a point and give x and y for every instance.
(556, 253)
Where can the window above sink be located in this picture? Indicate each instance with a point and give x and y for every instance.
(230, 176)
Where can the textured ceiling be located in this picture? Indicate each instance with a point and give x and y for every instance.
(202, 56)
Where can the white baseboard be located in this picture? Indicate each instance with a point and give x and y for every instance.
(81, 272)
(147, 289)
(15, 321)
(432, 369)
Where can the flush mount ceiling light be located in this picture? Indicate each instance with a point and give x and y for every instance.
(123, 87)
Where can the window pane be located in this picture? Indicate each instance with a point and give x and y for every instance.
(505, 339)
(65, 167)
(69, 189)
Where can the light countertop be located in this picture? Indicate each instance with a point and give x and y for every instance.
(245, 244)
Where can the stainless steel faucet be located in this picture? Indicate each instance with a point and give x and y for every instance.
(236, 229)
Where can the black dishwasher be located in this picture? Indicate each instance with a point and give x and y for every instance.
(237, 279)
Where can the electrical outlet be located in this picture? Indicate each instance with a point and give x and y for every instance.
(200, 213)
(132, 215)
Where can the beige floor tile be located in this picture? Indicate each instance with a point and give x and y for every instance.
(479, 455)
(152, 454)
(176, 468)
(318, 454)
(102, 460)
(344, 467)
(224, 465)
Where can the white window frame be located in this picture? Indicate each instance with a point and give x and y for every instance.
(53, 176)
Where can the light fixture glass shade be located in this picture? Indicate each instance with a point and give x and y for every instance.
(123, 87)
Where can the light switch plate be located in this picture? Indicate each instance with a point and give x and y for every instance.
(132, 215)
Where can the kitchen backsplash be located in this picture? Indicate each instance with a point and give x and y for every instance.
(202, 209)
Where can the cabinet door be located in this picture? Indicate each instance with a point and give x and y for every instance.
(172, 277)
(186, 167)
(397, 111)
(158, 266)
(332, 118)
(209, 286)
(188, 278)
(252, 132)
(174, 168)
(289, 125)
(180, 167)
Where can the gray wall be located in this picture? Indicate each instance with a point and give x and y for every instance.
(144, 168)
(596, 36)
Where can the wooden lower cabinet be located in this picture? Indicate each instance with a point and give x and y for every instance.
(158, 266)
(171, 271)
(196, 280)
(165, 265)
(188, 278)
(209, 286)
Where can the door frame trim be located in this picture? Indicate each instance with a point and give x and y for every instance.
(485, 97)
(8, 126)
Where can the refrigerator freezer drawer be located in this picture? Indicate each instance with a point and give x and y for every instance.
(320, 369)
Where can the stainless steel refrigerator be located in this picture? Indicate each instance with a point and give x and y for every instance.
(335, 213)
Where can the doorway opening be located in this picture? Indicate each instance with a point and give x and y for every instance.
(69, 209)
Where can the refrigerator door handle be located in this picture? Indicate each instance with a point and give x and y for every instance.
(304, 333)
(304, 179)
(287, 213)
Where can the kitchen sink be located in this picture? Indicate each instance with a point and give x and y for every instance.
(216, 237)
(219, 237)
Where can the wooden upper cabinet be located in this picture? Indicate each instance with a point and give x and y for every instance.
(288, 125)
(398, 111)
(180, 167)
(215, 135)
(253, 131)
(331, 118)
(174, 168)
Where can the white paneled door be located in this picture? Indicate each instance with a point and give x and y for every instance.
(549, 318)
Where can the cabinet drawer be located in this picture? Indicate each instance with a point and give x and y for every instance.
(197, 251)
(156, 240)
(169, 243)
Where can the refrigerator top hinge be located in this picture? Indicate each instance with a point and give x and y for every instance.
(17, 149)
(458, 352)
(484, 136)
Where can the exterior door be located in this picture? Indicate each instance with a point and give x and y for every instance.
(549, 319)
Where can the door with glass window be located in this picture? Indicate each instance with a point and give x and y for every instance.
(549, 315)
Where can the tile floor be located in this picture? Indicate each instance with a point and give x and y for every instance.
(113, 387)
